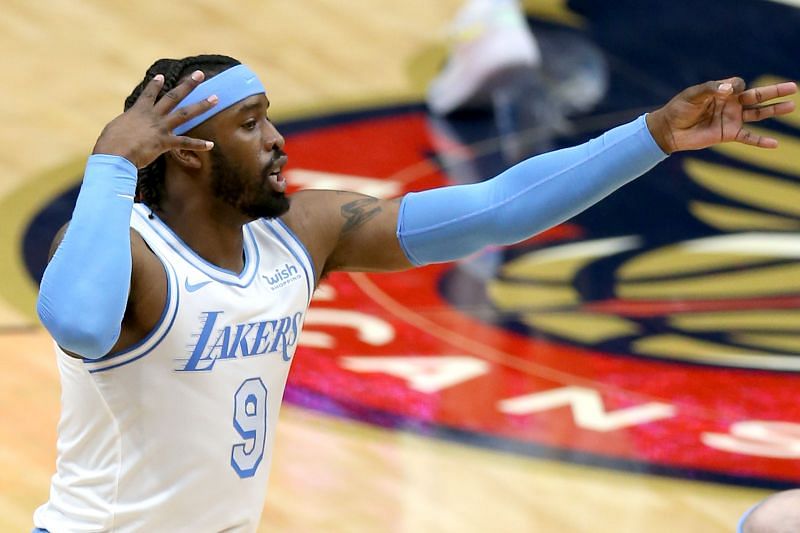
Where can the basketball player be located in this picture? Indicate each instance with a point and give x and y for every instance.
(177, 317)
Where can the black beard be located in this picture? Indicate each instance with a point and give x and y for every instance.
(248, 194)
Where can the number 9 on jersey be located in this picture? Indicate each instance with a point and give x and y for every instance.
(250, 421)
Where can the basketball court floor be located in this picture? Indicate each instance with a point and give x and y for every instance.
(632, 370)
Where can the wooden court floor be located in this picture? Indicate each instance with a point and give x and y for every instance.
(338, 476)
(67, 66)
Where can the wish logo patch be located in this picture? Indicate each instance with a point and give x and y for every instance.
(282, 276)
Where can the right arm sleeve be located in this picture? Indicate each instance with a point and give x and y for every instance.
(84, 290)
(444, 224)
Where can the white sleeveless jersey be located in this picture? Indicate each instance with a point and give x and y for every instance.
(175, 434)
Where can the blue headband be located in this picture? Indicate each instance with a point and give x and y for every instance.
(231, 86)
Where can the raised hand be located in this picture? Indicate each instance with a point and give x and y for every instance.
(144, 132)
(716, 112)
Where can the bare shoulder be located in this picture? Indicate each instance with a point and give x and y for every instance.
(307, 212)
(311, 217)
(347, 230)
(317, 214)
(148, 295)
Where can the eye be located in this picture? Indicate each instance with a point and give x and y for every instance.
(250, 124)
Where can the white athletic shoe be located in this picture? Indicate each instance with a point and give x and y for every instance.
(491, 44)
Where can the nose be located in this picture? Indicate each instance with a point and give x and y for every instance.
(272, 138)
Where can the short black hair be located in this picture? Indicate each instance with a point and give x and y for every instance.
(150, 186)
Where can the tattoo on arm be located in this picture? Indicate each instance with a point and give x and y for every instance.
(358, 212)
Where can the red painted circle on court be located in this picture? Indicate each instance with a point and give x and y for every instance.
(392, 349)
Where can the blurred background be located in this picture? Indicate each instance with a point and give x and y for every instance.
(633, 369)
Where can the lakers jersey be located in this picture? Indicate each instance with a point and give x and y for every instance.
(175, 433)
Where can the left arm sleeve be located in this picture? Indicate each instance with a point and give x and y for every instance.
(84, 290)
(451, 222)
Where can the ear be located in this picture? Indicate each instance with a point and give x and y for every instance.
(187, 158)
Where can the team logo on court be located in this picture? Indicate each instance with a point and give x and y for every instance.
(656, 331)
(672, 332)
(728, 299)
(620, 338)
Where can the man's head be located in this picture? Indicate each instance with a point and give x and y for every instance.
(242, 171)
(780, 513)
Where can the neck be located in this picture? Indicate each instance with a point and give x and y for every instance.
(212, 231)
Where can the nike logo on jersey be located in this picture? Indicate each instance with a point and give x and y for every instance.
(191, 287)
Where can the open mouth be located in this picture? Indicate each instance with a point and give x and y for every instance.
(275, 177)
(277, 181)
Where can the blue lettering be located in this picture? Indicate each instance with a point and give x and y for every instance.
(247, 340)
(280, 337)
(221, 345)
(282, 274)
(240, 339)
(200, 347)
(296, 320)
(261, 344)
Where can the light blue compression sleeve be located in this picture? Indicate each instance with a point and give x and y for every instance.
(444, 224)
(84, 290)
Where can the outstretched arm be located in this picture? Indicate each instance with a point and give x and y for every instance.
(346, 231)
(351, 232)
